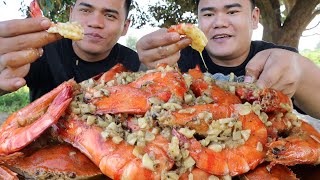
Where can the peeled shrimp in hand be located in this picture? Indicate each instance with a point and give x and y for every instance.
(70, 30)
(199, 39)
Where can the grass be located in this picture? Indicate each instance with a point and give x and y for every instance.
(313, 55)
(15, 100)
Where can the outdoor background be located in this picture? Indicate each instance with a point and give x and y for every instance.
(290, 22)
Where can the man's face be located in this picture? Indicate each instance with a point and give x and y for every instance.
(104, 21)
(228, 25)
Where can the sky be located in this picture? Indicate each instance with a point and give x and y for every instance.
(11, 11)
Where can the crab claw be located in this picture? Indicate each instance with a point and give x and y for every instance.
(23, 126)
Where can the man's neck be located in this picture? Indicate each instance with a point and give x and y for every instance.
(230, 61)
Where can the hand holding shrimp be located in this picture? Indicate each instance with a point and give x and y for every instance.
(161, 46)
(71, 30)
(164, 45)
(23, 40)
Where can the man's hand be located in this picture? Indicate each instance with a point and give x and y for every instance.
(290, 73)
(275, 68)
(161, 47)
(21, 43)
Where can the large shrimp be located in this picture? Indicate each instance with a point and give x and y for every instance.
(23, 126)
(6, 173)
(262, 172)
(115, 160)
(301, 145)
(199, 39)
(201, 87)
(162, 85)
(236, 159)
(231, 142)
(71, 30)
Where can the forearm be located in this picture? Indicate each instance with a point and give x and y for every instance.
(307, 96)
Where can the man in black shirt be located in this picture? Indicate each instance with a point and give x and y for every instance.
(228, 25)
(103, 22)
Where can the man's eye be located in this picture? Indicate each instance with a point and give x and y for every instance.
(85, 10)
(110, 16)
(233, 12)
(208, 14)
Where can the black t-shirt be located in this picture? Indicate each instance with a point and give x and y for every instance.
(190, 58)
(59, 63)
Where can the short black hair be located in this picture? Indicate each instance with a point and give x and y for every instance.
(253, 3)
(127, 6)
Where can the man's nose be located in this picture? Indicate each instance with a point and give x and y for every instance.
(220, 21)
(96, 20)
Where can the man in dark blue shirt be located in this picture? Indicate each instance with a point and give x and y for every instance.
(228, 26)
(104, 22)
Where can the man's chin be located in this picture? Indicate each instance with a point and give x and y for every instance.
(91, 49)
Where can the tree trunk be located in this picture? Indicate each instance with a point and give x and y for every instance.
(286, 32)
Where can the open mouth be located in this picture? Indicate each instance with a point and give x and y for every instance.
(220, 36)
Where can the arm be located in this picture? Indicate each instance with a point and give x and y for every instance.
(307, 96)
(21, 42)
(160, 47)
(290, 73)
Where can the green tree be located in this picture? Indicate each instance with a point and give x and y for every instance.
(314, 55)
(131, 42)
(57, 10)
(280, 26)
(286, 27)
(168, 12)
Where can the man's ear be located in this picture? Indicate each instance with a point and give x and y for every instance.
(255, 17)
(70, 13)
(126, 27)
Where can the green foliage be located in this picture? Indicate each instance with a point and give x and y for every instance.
(57, 11)
(15, 100)
(313, 55)
(168, 12)
(131, 42)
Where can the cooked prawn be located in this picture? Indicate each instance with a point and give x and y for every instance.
(200, 86)
(262, 172)
(23, 126)
(300, 146)
(233, 160)
(71, 30)
(7, 174)
(115, 160)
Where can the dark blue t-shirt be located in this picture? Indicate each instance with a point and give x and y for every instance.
(190, 58)
(59, 63)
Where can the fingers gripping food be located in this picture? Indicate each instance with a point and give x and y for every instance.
(70, 30)
(199, 40)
